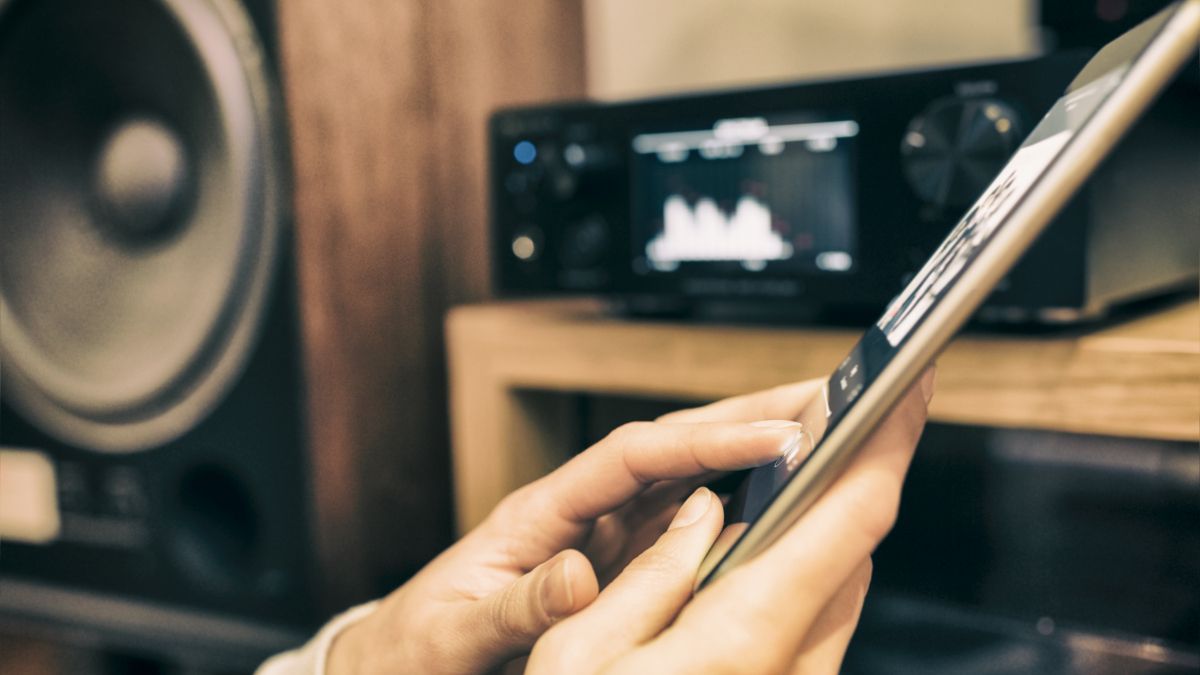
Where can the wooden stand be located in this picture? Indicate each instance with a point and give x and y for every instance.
(512, 363)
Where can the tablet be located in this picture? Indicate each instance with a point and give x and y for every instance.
(1066, 146)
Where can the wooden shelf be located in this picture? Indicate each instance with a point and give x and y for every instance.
(1140, 378)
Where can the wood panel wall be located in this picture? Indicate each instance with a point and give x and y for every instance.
(387, 104)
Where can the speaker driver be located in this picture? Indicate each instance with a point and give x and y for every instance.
(140, 213)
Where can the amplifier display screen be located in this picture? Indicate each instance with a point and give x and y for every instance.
(746, 194)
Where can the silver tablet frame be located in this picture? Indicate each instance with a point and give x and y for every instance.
(1150, 71)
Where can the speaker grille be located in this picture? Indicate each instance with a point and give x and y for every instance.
(139, 213)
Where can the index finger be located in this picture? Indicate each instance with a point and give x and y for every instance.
(639, 454)
(778, 403)
(554, 511)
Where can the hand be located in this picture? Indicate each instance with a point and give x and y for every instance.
(791, 609)
(546, 550)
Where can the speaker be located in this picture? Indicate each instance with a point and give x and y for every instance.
(151, 423)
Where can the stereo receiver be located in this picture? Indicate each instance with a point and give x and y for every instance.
(825, 196)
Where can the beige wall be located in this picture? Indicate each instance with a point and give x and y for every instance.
(638, 47)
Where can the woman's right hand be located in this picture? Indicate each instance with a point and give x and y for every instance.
(792, 609)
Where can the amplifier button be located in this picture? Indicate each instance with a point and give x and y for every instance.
(517, 182)
(527, 244)
(564, 182)
(585, 242)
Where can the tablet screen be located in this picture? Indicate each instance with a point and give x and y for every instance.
(909, 309)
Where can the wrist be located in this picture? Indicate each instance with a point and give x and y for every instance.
(345, 651)
(342, 646)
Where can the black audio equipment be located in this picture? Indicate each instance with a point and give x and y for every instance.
(827, 195)
(1092, 23)
(152, 395)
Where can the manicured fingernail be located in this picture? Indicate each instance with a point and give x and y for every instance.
(775, 424)
(927, 383)
(792, 441)
(693, 509)
(557, 596)
(798, 444)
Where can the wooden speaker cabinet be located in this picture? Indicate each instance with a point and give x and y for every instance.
(325, 450)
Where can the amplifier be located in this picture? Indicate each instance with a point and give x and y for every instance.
(823, 197)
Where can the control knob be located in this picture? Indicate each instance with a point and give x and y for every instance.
(956, 146)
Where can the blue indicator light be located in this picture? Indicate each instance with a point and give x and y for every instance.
(525, 152)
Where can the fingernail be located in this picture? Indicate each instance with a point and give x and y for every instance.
(775, 424)
(927, 383)
(797, 443)
(557, 596)
(793, 440)
(693, 509)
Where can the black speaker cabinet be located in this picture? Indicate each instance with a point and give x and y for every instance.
(153, 475)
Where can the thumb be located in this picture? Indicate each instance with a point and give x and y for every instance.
(642, 601)
(510, 620)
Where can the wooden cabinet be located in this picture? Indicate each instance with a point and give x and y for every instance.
(514, 368)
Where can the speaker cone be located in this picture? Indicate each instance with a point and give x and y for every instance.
(139, 213)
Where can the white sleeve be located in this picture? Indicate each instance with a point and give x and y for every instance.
(310, 659)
